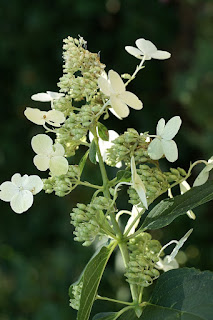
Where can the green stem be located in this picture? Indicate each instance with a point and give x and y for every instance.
(114, 300)
(121, 242)
(88, 184)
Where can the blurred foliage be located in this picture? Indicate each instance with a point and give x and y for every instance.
(38, 257)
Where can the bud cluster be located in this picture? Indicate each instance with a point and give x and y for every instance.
(131, 142)
(81, 70)
(175, 175)
(89, 220)
(76, 294)
(155, 182)
(143, 258)
(62, 185)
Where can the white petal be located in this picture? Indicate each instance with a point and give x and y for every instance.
(35, 115)
(55, 117)
(112, 135)
(161, 55)
(116, 83)
(169, 265)
(34, 184)
(171, 128)
(131, 100)
(22, 201)
(58, 165)
(7, 191)
(135, 211)
(55, 95)
(43, 97)
(119, 107)
(42, 144)
(184, 187)
(104, 85)
(137, 184)
(91, 136)
(58, 150)
(155, 150)
(146, 46)
(17, 179)
(191, 214)
(201, 178)
(134, 52)
(160, 126)
(179, 245)
(170, 150)
(41, 162)
(115, 114)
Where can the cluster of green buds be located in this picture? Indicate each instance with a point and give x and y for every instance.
(81, 70)
(75, 293)
(63, 184)
(155, 182)
(131, 142)
(144, 252)
(175, 175)
(89, 220)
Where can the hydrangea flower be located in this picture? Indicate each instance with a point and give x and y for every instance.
(52, 117)
(184, 187)
(49, 96)
(163, 143)
(49, 155)
(169, 262)
(146, 50)
(20, 191)
(105, 145)
(120, 99)
(204, 174)
(137, 184)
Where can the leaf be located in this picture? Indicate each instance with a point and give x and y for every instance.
(185, 294)
(92, 152)
(168, 210)
(123, 176)
(105, 316)
(103, 132)
(91, 279)
(83, 162)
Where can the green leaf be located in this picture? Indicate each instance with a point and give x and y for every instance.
(185, 294)
(168, 210)
(92, 152)
(83, 162)
(91, 278)
(105, 316)
(103, 132)
(123, 176)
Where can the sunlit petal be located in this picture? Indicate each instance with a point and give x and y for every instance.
(119, 107)
(116, 82)
(131, 100)
(34, 184)
(171, 128)
(161, 55)
(42, 144)
(58, 165)
(41, 162)
(160, 127)
(104, 85)
(55, 118)
(8, 190)
(42, 97)
(22, 201)
(155, 150)
(134, 52)
(170, 150)
(35, 115)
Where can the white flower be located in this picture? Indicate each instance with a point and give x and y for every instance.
(120, 99)
(147, 50)
(49, 156)
(137, 184)
(52, 117)
(163, 143)
(49, 96)
(184, 187)
(20, 190)
(204, 174)
(169, 262)
(105, 145)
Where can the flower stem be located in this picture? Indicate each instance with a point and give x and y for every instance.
(113, 300)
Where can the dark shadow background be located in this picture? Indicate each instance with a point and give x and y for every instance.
(38, 257)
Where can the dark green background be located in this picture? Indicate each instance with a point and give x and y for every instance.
(38, 257)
